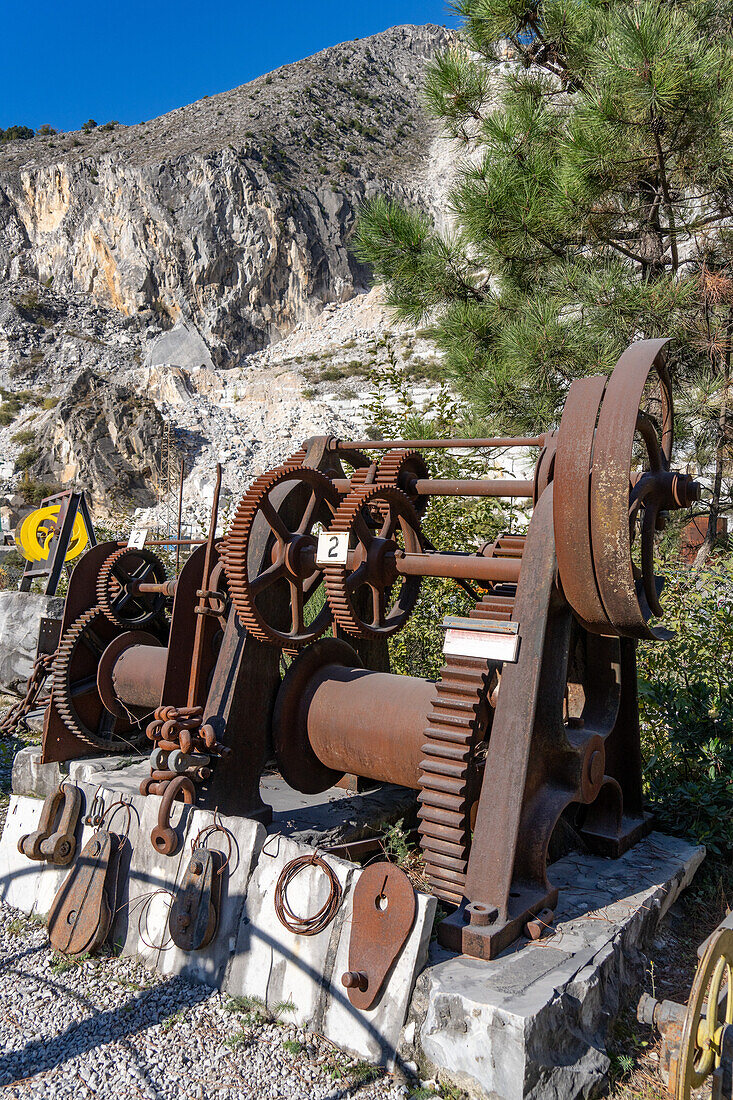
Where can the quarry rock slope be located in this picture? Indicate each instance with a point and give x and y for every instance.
(234, 212)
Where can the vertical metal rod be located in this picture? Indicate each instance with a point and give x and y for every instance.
(193, 680)
(180, 517)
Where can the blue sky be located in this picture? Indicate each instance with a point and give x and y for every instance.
(63, 63)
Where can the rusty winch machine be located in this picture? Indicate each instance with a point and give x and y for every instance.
(534, 716)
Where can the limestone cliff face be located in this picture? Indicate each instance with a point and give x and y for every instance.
(234, 212)
(105, 438)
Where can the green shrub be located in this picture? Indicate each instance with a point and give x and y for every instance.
(26, 458)
(15, 133)
(686, 706)
(33, 492)
(24, 437)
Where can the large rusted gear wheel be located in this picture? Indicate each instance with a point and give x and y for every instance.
(450, 774)
(75, 694)
(269, 555)
(402, 469)
(122, 569)
(369, 599)
(600, 503)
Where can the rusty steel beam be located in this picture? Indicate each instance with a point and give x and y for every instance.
(481, 487)
(434, 444)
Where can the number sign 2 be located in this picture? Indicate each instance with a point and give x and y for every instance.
(333, 546)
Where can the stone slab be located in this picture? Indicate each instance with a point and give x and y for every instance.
(335, 816)
(533, 1024)
(37, 780)
(241, 846)
(375, 1034)
(20, 619)
(279, 966)
(31, 885)
(151, 882)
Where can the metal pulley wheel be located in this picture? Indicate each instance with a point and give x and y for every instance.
(269, 555)
(119, 575)
(602, 504)
(710, 1009)
(369, 599)
(75, 693)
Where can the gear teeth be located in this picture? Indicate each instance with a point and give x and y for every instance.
(448, 767)
(235, 549)
(336, 576)
(106, 593)
(61, 697)
(398, 468)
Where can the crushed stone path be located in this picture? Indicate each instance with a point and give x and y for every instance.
(108, 1028)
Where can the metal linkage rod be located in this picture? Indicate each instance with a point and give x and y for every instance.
(168, 542)
(444, 487)
(165, 588)
(433, 444)
(467, 567)
(489, 487)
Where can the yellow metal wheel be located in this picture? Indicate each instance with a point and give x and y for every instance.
(707, 1014)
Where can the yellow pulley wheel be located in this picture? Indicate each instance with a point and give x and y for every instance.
(36, 532)
(707, 1014)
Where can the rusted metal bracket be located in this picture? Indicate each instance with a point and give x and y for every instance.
(384, 906)
(82, 911)
(54, 839)
(194, 912)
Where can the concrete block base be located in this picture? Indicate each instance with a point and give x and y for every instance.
(252, 952)
(533, 1024)
(37, 780)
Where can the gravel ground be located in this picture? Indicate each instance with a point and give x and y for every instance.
(107, 1027)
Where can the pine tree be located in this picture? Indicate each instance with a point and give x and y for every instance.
(592, 206)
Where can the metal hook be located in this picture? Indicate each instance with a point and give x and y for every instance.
(95, 815)
(119, 804)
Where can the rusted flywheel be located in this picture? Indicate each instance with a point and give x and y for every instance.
(269, 555)
(75, 693)
(368, 598)
(600, 503)
(123, 569)
(457, 726)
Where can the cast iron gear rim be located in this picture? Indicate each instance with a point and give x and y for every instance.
(106, 580)
(61, 696)
(449, 771)
(376, 499)
(398, 468)
(236, 545)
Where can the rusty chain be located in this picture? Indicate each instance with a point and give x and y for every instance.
(39, 674)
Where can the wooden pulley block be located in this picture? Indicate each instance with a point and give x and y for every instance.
(54, 839)
(194, 913)
(81, 914)
(383, 913)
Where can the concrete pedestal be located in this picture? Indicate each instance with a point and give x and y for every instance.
(20, 618)
(533, 1024)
